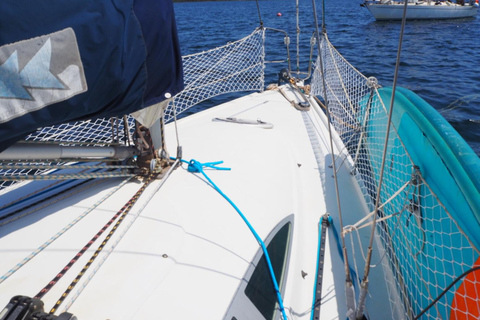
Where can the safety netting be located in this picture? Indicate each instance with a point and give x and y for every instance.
(98, 133)
(237, 66)
(426, 253)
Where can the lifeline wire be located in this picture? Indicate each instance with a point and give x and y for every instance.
(195, 166)
(259, 16)
(363, 294)
(298, 39)
(349, 292)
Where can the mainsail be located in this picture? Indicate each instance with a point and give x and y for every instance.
(83, 60)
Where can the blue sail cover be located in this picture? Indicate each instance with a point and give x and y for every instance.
(63, 61)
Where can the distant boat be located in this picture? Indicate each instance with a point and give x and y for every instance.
(421, 10)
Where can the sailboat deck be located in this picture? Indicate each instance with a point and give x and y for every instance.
(187, 251)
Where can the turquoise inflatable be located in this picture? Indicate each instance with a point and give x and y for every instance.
(420, 241)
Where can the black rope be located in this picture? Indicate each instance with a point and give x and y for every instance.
(446, 290)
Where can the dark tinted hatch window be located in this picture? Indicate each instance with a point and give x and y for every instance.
(260, 289)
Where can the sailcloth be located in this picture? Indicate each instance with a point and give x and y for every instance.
(83, 59)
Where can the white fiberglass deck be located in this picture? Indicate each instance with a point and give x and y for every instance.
(187, 252)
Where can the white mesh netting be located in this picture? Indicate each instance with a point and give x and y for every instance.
(237, 66)
(424, 247)
(99, 132)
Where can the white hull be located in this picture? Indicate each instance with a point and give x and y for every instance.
(424, 11)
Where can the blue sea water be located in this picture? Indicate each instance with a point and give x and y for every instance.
(440, 59)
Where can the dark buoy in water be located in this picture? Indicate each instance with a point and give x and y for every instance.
(279, 14)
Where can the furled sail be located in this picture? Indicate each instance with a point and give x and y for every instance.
(83, 59)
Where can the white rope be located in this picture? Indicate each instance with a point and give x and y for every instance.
(359, 225)
(65, 229)
(107, 253)
(31, 194)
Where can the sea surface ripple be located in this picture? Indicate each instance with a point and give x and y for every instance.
(440, 59)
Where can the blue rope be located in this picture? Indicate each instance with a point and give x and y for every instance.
(197, 167)
(340, 251)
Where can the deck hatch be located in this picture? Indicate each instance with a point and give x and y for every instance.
(260, 288)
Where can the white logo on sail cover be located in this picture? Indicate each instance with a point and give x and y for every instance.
(38, 72)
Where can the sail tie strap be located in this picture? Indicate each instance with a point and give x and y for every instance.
(197, 167)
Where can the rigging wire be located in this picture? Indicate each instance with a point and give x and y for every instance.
(349, 291)
(364, 286)
(179, 147)
(259, 15)
(298, 39)
(323, 16)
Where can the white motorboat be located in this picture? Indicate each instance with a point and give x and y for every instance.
(312, 198)
(420, 10)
